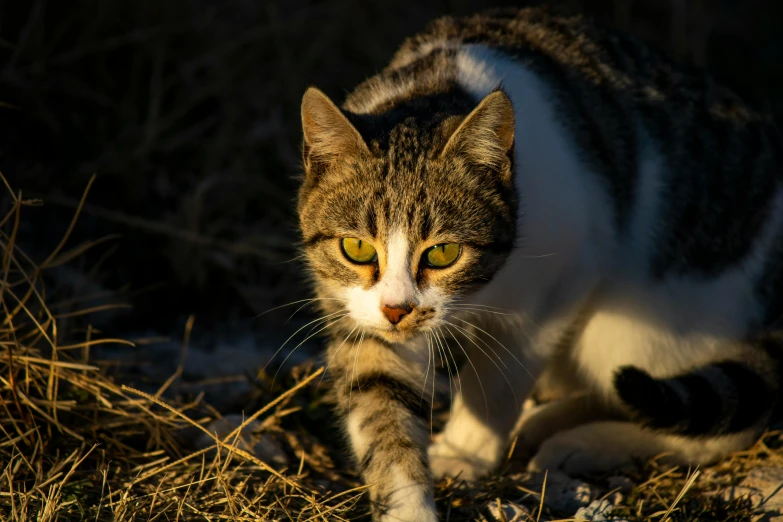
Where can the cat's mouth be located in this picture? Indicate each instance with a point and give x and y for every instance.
(400, 333)
(396, 327)
(397, 336)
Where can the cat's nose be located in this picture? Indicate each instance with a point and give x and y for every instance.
(395, 313)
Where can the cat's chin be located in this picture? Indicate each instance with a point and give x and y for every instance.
(397, 336)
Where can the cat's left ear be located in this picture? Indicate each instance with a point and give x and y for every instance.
(328, 135)
(486, 136)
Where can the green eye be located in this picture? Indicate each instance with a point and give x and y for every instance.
(357, 250)
(441, 256)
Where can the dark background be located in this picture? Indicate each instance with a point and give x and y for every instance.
(187, 111)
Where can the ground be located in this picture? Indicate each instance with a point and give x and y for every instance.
(86, 438)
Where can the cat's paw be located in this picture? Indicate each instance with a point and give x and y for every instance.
(410, 513)
(575, 454)
(406, 503)
(445, 461)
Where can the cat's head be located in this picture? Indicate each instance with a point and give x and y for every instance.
(403, 213)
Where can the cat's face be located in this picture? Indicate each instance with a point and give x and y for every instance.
(398, 229)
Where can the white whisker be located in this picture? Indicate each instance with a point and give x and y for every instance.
(457, 301)
(329, 362)
(441, 348)
(539, 256)
(480, 310)
(456, 366)
(430, 356)
(309, 300)
(478, 377)
(505, 377)
(469, 333)
(320, 319)
(340, 318)
(356, 348)
(501, 345)
(298, 310)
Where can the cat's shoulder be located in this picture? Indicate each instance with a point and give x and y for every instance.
(509, 28)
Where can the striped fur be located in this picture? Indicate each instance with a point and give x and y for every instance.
(723, 398)
(620, 227)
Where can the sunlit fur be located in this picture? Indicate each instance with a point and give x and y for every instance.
(620, 220)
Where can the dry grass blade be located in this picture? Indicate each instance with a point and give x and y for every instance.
(53, 399)
(682, 493)
(221, 443)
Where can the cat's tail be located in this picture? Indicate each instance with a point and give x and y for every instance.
(718, 399)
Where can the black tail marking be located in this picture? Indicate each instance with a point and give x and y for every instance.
(718, 399)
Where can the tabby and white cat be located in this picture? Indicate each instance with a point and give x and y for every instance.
(569, 209)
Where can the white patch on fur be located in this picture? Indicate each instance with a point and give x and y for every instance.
(569, 248)
(640, 240)
(602, 446)
(565, 230)
(466, 447)
(675, 325)
(408, 502)
(566, 217)
(355, 434)
(396, 286)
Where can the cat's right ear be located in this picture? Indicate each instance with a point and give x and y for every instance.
(328, 135)
(486, 136)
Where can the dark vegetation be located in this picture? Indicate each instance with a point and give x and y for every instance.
(187, 110)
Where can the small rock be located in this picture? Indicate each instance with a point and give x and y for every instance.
(250, 439)
(563, 493)
(596, 511)
(620, 483)
(619, 487)
(764, 487)
(508, 512)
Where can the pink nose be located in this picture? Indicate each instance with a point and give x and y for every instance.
(395, 313)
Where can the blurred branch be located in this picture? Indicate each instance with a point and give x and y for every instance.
(271, 251)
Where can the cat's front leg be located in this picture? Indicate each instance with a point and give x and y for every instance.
(387, 421)
(491, 390)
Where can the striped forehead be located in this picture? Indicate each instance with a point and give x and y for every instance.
(407, 186)
(396, 210)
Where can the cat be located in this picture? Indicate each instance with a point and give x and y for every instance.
(571, 212)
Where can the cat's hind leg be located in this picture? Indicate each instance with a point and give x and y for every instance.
(600, 447)
(540, 423)
(695, 418)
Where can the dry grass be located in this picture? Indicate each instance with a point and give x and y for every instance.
(77, 445)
